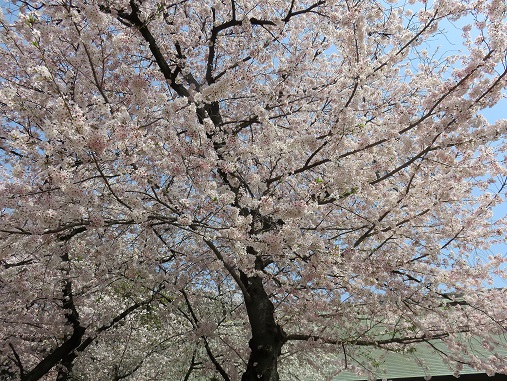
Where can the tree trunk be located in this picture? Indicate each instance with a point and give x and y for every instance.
(66, 365)
(267, 336)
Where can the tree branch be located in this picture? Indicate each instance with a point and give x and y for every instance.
(133, 17)
(377, 343)
(18, 361)
(228, 267)
(213, 359)
(306, 10)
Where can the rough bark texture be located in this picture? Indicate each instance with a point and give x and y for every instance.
(267, 336)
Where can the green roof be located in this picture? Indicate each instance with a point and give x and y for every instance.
(422, 361)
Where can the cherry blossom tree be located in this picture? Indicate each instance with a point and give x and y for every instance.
(248, 189)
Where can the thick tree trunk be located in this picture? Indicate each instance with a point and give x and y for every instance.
(267, 336)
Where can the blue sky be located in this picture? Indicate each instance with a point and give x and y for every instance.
(452, 40)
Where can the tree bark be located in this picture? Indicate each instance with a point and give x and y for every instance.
(267, 336)
(56, 356)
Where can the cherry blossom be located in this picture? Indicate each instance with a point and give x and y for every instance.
(249, 189)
